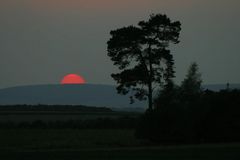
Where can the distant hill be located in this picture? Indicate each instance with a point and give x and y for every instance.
(87, 94)
(218, 87)
(52, 108)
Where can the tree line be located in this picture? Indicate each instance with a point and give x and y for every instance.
(189, 114)
(124, 122)
(52, 108)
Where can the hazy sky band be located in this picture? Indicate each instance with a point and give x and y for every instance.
(42, 40)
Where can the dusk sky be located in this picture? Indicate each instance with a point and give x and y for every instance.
(43, 40)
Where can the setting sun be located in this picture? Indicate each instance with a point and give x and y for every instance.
(73, 79)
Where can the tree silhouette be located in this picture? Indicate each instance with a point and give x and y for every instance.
(191, 85)
(143, 56)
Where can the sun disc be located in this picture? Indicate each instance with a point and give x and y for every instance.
(73, 79)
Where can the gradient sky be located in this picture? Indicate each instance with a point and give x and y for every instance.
(43, 40)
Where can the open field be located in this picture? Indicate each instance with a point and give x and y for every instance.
(93, 143)
(189, 153)
(96, 144)
(48, 139)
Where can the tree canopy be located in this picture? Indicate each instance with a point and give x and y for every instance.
(143, 56)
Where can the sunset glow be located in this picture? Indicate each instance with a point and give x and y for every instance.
(73, 79)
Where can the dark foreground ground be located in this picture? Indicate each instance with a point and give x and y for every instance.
(97, 144)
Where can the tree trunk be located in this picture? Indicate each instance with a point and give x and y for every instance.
(150, 89)
(150, 97)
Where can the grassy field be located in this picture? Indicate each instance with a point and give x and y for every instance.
(48, 139)
(96, 144)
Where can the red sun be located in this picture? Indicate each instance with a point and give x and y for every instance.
(73, 79)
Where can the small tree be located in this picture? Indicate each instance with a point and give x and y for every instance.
(191, 85)
(143, 56)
